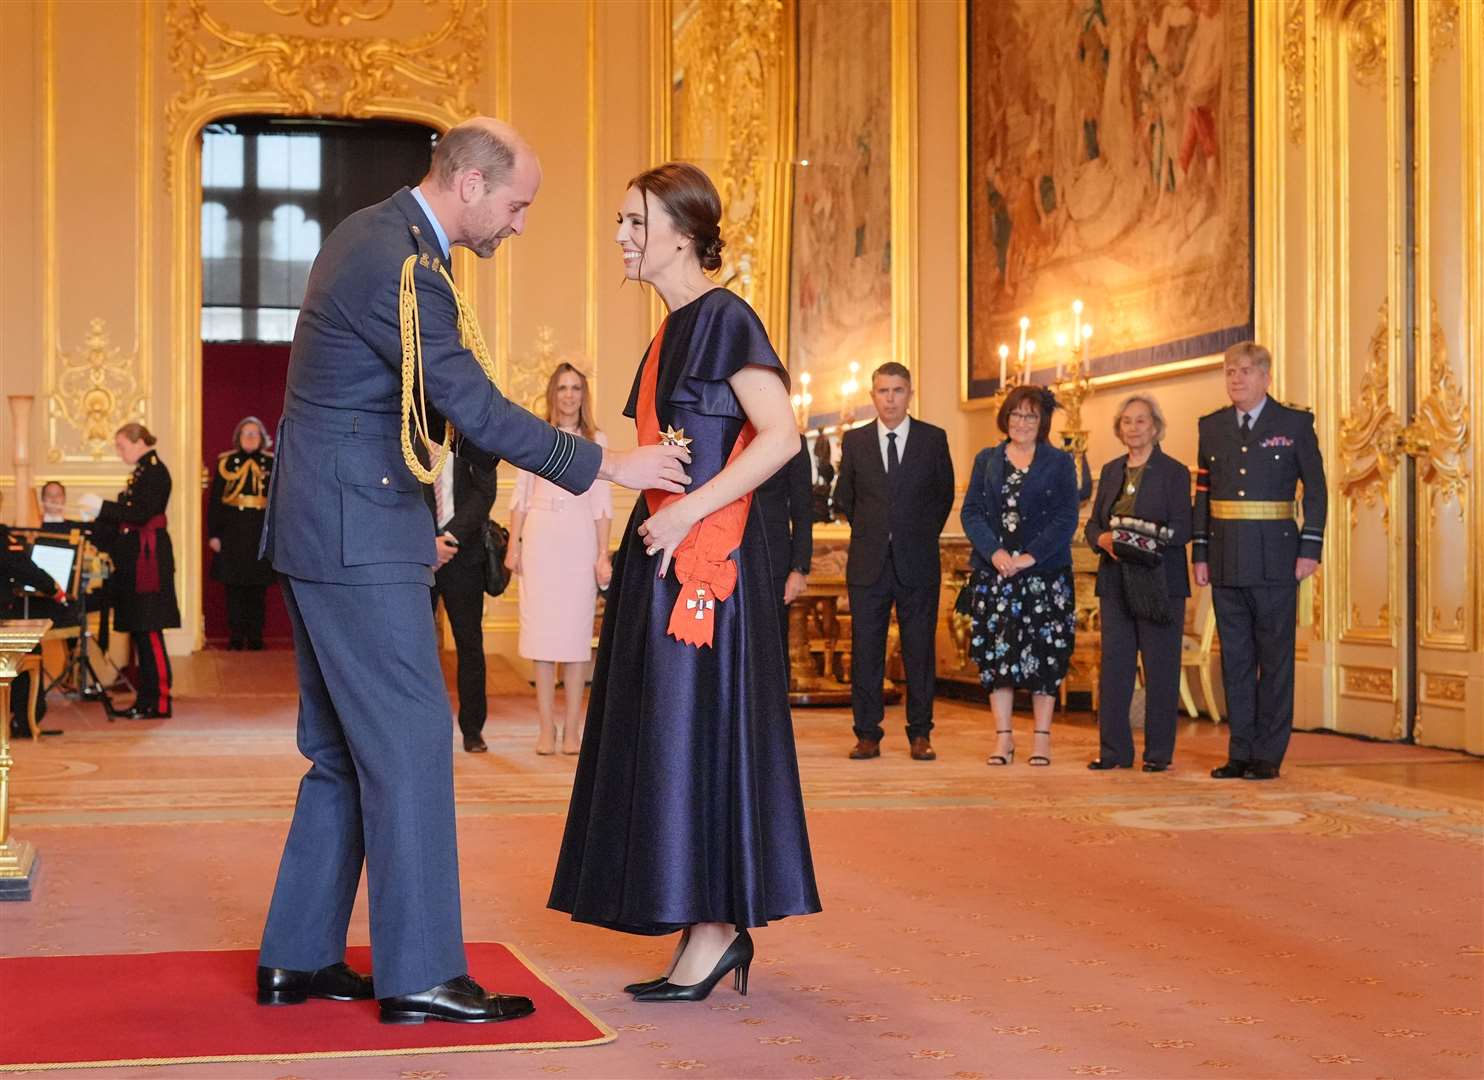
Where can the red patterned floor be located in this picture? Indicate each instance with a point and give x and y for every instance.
(979, 922)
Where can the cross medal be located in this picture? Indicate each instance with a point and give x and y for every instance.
(700, 605)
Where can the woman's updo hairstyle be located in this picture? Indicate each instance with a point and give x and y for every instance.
(691, 199)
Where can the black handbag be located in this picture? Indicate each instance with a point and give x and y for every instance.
(496, 543)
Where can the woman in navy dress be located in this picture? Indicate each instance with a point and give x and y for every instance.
(686, 813)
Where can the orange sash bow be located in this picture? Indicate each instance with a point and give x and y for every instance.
(703, 563)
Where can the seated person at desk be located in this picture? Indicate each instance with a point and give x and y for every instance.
(54, 508)
(18, 572)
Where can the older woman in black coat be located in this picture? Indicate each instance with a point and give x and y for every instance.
(1139, 525)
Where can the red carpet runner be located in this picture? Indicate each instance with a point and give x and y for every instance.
(172, 1008)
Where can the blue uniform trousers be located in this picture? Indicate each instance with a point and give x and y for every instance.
(1256, 626)
(374, 723)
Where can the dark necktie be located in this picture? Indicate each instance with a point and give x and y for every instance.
(892, 460)
(1246, 426)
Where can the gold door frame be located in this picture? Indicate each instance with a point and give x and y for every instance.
(224, 72)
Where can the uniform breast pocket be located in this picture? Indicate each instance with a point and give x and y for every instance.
(383, 517)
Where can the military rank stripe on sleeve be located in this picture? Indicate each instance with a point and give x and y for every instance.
(1313, 534)
(562, 452)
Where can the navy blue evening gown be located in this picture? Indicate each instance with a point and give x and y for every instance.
(686, 805)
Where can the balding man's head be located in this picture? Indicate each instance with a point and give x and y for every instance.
(482, 178)
(483, 144)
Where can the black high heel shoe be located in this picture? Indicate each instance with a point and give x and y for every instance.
(1003, 759)
(1040, 759)
(647, 984)
(738, 957)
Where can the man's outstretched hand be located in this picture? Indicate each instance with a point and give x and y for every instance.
(659, 467)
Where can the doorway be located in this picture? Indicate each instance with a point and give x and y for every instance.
(272, 189)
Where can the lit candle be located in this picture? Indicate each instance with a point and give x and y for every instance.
(1030, 353)
(1077, 324)
(1004, 358)
(1061, 346)
(1025, 324)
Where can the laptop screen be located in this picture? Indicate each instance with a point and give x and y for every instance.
(56, 560)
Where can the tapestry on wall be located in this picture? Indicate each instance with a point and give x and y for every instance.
(840, 272)
(1109, 160)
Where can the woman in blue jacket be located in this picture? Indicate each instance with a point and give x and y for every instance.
(1020, 513)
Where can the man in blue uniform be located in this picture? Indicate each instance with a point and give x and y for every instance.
(353, 542)
(1250, 550)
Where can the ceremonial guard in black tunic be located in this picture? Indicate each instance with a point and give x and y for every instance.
(144, 568)
(1246, 543)
(234, 521)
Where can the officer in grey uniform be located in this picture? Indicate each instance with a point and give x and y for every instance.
(1248, 547)
(353, 542)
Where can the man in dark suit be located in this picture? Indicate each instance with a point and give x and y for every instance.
(1247, 546)
(460, 501)
(895, 489)
(786, 502)
(353, 542)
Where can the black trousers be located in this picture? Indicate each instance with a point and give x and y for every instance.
(1256, 624)
(153, 662)
(917, 621)
(246, 607)
(1124, 639)
(460, 584)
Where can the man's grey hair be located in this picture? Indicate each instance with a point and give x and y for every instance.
(472, 146)
(1154, 410)
(1249, 350)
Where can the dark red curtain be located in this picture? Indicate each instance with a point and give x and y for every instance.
(238, 379)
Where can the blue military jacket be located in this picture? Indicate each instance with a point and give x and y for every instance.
(343, 506)
(1281, 451)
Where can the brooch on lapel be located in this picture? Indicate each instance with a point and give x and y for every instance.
(1276, 440)
(671, 437)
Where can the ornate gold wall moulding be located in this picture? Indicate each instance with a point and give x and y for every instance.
(324, 12)
(1446, 690)
(727, 62)
(419, 75)
(1367, 45)
(98, 388)
(1361, 631)
(1369, 433)
(1439, 434)
(1443, 27)
(1371, 683)
(1435, 620)
(528, 377)
(1295, 52)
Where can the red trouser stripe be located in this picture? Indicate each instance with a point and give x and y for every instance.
(162, 669)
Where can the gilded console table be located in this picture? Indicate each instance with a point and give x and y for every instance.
(17, 858)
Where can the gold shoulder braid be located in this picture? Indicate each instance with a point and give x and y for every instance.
(415, 415)
(244, 485)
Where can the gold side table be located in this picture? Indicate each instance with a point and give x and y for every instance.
(18, 859)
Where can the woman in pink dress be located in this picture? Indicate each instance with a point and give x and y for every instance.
(559, 549)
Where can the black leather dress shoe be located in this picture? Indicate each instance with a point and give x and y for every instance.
(458, 1001)
(1099, 765)
(136, 713)
(1156, 766)
(475, 744)
(338, 982)
(1261, 770)
(1232, 770)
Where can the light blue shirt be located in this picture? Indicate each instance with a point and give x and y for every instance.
(1254, 412)
(417, 193)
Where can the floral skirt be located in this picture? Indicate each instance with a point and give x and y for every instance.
(1024, 629)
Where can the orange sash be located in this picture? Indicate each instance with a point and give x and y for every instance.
(703, 563)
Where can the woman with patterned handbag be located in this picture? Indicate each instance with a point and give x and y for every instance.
(1139, 525)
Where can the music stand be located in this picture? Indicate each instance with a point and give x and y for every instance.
(78, 678)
